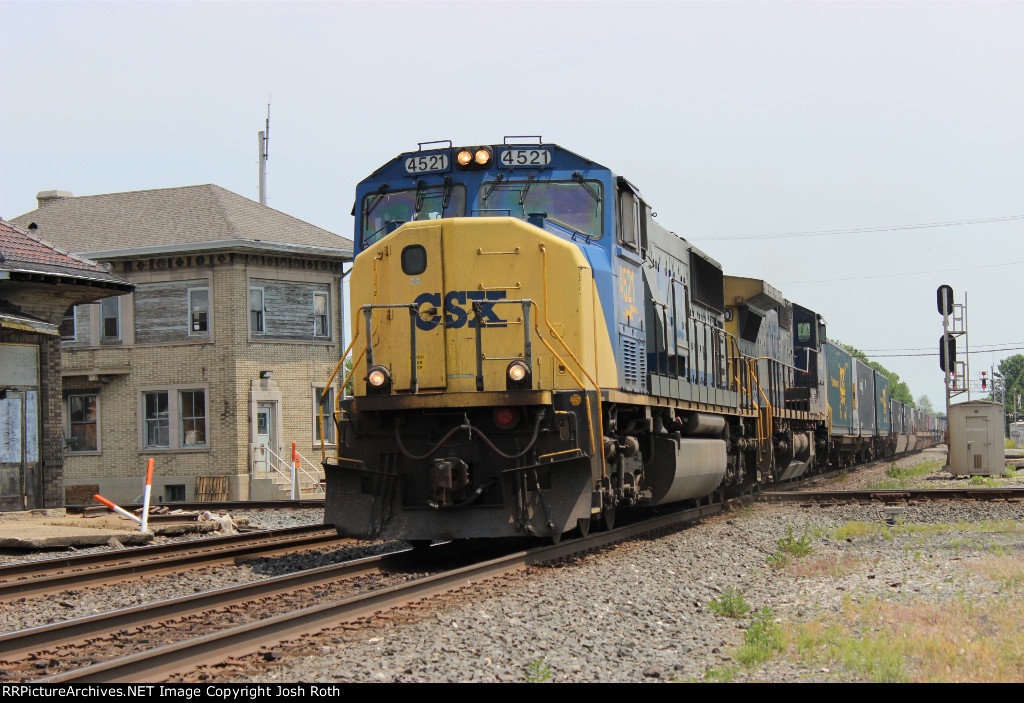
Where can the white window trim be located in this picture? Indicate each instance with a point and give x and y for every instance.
(327, 314)
(74, 326)
(117, 316)
(174, 438)
(209, 310)
(263, 310)
(329, 438)
(67, 424)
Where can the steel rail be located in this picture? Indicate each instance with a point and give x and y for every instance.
(239, 641)
(287, 504)
(56, 564)
(16, 645)
(135, 563)
(893, 495)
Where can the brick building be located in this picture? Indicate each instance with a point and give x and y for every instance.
(211, 364)
(38, 283)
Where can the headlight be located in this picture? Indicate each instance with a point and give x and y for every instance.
(518, 375)
(517, 371)
(473, 158)
(378, 380)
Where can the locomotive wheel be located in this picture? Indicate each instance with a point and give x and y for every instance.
(608, 516)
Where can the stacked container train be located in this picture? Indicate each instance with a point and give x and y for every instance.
(534, 352)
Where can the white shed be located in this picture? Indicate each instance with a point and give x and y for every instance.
(976, 444)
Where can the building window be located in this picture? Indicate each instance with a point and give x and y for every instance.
(67, 325)
(83, 422)
(326, 405)
(158, 428)
(192, 405)
(110, 309)
(256, 311)
(198, 311)
(320, 327)
(175, 493)
(174, 418)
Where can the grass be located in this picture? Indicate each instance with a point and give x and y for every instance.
(723, 674)
(898, 477)
(960, 640)
(731, 604)
(856, 529)
(1008, 571)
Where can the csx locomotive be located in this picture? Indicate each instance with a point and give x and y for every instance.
(534, 352)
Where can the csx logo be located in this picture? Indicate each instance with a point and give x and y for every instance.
(457, 304)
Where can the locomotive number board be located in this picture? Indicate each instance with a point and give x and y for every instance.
(525, 157)
(426, 163)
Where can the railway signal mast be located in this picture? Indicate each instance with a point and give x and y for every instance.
(954, 326)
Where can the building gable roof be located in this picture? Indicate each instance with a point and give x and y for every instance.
(172, 218)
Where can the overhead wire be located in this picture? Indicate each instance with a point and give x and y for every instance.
(864, 230)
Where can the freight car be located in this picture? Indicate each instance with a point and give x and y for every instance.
(534, 352)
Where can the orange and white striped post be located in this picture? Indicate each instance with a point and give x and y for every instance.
(147, 494)
(117, 508)
(295, 472)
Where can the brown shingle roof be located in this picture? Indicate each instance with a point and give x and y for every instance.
(24, 251)
(171, 217)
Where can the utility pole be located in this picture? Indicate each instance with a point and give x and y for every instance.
(264, 140)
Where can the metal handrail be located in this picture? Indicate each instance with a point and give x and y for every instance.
(287, 477)
(270, 463)
(315, 479)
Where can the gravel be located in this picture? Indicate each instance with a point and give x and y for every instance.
(634, 612)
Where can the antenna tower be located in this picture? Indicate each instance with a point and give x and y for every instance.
(264, 140)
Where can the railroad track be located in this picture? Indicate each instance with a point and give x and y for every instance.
(38, 578)
(900, 495)
(233, 642)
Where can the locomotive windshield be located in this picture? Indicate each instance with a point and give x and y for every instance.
(383, 211)
(574, 205)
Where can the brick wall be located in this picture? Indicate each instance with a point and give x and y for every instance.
(225, 365)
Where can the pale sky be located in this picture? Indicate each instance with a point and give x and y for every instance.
(734, 120)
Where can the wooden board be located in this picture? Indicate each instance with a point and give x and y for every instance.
(210, 489)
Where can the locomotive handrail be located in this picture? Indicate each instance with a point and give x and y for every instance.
(599, 426)
(367, 311)
(480, 324)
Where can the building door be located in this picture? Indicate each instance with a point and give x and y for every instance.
(265, 436)
(978, 444)
(19, 450)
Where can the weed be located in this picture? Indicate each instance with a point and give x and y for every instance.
(537, 671)
(723, 675)
(778, 561)
(731, 604)
(921, 469)
(797, 546)
(763, 639)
